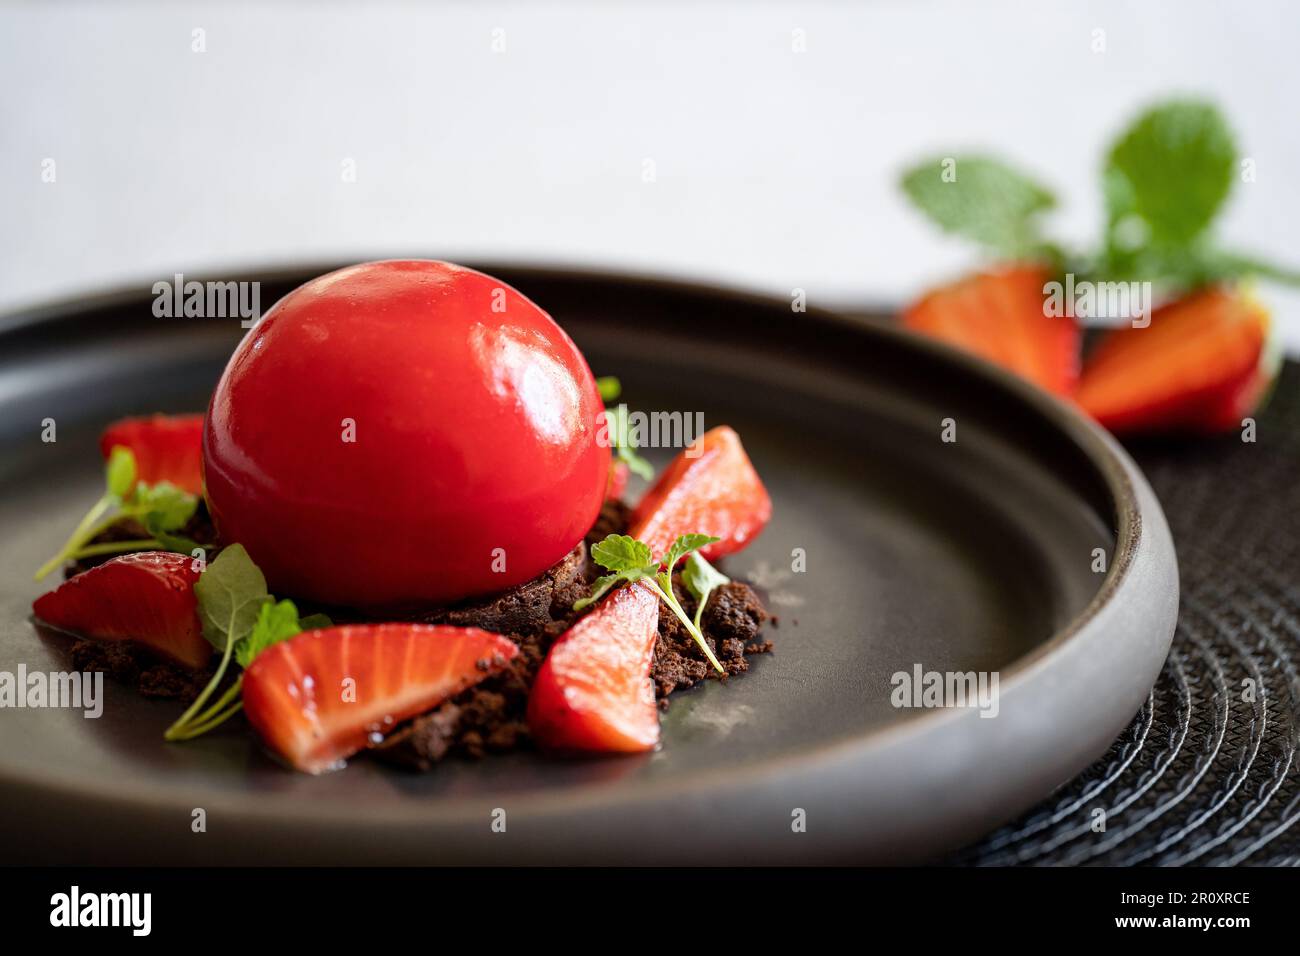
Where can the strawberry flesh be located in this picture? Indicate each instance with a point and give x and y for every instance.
(999, 317)
(1198, 367)
(593, 693)
(1227, 413)
(147, 597)
(325, 694)
(711, 488)
(166, 448)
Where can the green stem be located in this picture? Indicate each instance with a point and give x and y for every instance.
(230, 696)
(177, 730)
(84, 531)
(212, 723)
(699, 610)
(122, 515)
(671, 600)
(116, 547)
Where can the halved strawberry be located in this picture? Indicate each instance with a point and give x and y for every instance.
(999, 316)
(325, 694)
(166, 447)
(147, 597)
(1200, 366)
(712, 489)
(593, 691)
(618, 475)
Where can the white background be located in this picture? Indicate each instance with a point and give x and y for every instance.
(774, 169)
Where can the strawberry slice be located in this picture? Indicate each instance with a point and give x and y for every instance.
(593, 692)
(147, 597)
(1200, 366)
(999, 317)
(716, 492)
(166, 447)
(325, 694)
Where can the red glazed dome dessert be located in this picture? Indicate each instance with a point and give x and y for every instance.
(404, 432)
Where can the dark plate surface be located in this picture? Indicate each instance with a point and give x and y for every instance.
(974, 555)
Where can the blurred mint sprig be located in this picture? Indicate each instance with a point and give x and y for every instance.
(1165, 179)
(621, 435)
(162, 509)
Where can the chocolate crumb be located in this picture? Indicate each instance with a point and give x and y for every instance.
(149, 672)
(731, 620)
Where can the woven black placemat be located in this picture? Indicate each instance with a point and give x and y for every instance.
(1208, 773)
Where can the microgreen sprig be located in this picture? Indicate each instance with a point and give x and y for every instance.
(701, 579)
(162, 508)
(629, 560)
(610, 388)
(622, 437)
(241, 620)
(623, 440)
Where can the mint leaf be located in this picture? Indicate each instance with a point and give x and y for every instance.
(628, 559)
(701, 579)
(610, 388)
(621, 553)
(1216, 265)
(631, 560)
(230, 595)
(163, 510)
(275, 623)
(166, 507)
(119, 472)
(983, 199)
(1165, 178)
(234, 601)
(684, 545)
(1171, 169)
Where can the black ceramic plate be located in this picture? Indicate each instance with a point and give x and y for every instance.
(973, 555)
